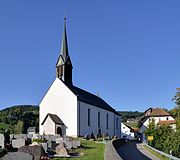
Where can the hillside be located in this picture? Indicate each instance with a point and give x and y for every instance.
(130, 115)
(18, 118)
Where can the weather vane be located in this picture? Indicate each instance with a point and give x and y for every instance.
(65, 15)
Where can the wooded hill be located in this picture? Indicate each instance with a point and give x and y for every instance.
(18, 118)
(130, 114)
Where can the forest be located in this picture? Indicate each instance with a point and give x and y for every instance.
(18, 119)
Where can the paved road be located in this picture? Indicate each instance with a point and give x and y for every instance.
(135, 151)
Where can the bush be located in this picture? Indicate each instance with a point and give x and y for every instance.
(39, 140)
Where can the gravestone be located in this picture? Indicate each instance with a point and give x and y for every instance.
(29, 136)
(18, 136)
(70, 139)
(53, 138)
(76, 144)
(36, 151)
(66, 139)
(17, 143)
(2, 140)
(59, 140)
(46, 137)
(87, 137)
(61, 150)
(52, 144)
(6, 137)
(40, 136)
(45, 146)
(35, 136)
(17, 156)
(68, 145)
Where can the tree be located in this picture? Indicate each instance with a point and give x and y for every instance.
(151, 130)
(173, 143)
(161, 140)
(19, 127)
(176, 98)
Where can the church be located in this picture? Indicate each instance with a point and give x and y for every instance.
(69, 110)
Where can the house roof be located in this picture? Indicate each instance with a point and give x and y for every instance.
(158, 112)
(54, 118)
(131, 128)
(167, 122)
(90, 98)
(136, 129)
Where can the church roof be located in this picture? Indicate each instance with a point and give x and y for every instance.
(90, 98)
(54, 118)
(64, 54)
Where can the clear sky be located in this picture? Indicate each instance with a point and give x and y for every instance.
(128, 51)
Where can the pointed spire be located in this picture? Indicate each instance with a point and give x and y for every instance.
(64, 46)
(64, 54)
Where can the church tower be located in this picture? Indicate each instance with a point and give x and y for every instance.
(64, 66)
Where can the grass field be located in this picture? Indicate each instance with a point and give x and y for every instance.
(155, 153)
(90, 150)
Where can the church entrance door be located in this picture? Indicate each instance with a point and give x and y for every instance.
(59, 131)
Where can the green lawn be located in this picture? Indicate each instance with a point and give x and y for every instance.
(90, 150)
(155, 153)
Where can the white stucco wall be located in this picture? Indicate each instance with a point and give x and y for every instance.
(61, 101)
(126, 132)
(156, 120)
(85, 129)
(49, 126)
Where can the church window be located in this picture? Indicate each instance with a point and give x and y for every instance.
(98, 119)
(61, 71)
(89, 114)
(167, 118)
(117, 124)
(107, 121)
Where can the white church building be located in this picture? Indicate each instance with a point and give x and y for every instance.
(69, 110)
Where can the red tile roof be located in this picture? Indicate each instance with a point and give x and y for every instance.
(158, 112)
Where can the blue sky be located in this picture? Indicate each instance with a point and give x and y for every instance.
(128, 51)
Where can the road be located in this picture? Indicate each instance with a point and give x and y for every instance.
(135, 151)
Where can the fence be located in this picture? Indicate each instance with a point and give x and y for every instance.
(162, 153)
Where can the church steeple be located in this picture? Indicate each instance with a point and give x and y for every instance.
(64, 65)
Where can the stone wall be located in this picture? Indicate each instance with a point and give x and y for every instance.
(110, 149)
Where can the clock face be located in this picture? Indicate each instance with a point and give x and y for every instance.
(60, 62)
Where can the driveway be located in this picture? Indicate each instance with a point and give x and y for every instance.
(135, 151)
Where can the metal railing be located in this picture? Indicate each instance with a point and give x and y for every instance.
(162, 153)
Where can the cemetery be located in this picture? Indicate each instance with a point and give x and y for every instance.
(35, 147)
(44, 147)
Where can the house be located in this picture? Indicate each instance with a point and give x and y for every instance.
(127, 132)
(159, 116)
(31, 130)
(69, 110)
